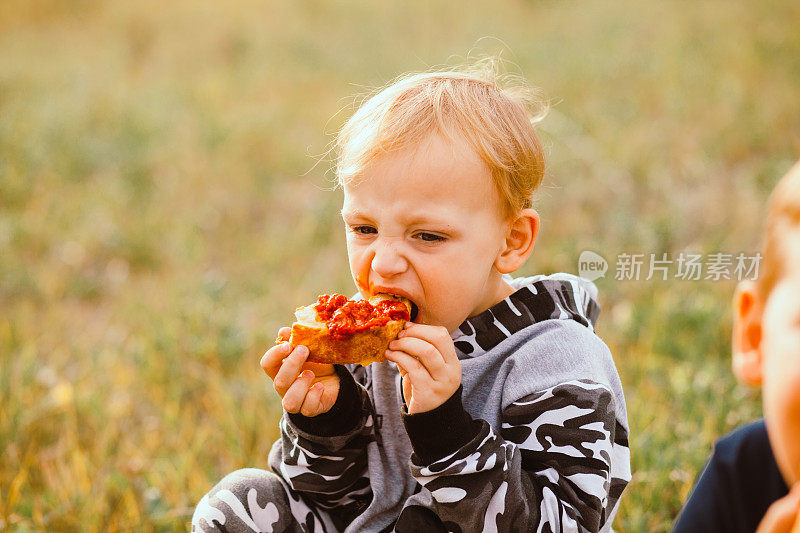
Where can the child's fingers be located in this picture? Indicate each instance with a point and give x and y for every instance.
(271, 360)
(289, 369)
(296, 393)
(436, 335)
(410, 365)
(284, 334)
(312, 404)
(423, 350)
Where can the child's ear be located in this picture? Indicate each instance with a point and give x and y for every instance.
(520, 237)
(747, 353)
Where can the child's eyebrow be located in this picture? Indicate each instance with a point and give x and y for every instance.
(410, 220)
(422, 221)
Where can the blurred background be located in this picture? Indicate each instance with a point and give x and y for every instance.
(165, 205)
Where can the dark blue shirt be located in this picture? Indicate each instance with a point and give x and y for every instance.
(740, 482)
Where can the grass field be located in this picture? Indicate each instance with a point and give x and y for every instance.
(163, 210)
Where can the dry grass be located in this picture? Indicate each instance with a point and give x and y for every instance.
(157, 224)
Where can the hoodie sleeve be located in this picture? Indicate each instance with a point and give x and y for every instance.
(550, 468)
(325, 457)
(558, 459)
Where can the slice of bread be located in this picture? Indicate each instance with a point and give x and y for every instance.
(363, 347)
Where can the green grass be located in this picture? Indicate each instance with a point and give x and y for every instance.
(161, 216)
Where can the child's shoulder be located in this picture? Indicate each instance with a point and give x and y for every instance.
(560, 351)
(543, 334)
(560, 305)
(557, 296)
(746, 446)
(546, 318)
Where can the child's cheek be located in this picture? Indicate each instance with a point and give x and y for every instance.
(781, 394)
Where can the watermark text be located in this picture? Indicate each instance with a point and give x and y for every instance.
(663, 266)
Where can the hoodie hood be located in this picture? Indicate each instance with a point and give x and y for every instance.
(535, 299)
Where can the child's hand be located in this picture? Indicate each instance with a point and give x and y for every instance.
(306, 388)
(427, 360)
(782, 514)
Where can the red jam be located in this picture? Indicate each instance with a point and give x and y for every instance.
(345, 317)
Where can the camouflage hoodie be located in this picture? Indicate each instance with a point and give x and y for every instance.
(536, 438)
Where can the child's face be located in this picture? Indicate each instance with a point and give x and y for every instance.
(774, 348)
(425, 223)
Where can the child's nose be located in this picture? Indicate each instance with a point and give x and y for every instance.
(388, 259)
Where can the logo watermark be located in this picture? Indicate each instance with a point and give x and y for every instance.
(685, 266)
(592, 265)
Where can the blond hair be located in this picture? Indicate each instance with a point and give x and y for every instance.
(783, 215)
(494, 113)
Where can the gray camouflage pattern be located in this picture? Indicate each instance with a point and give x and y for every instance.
(558, 460)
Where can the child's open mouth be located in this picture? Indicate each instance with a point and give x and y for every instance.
(414, 308)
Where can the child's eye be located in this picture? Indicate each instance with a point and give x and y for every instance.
(430, 237)
(364, 230)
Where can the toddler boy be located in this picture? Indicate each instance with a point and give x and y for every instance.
(500, 408)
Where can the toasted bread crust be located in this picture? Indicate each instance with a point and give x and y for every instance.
(363, 348)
